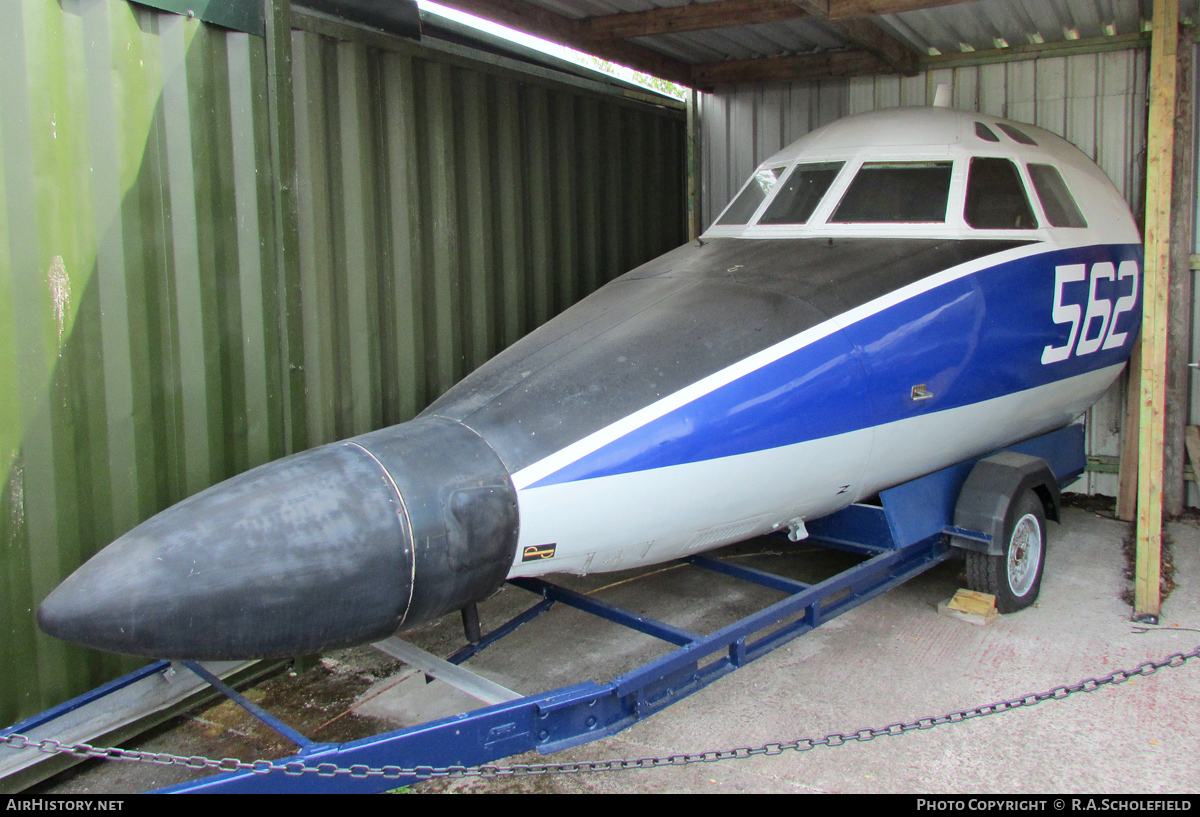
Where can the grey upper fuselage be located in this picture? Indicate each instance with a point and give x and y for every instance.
(674, 321)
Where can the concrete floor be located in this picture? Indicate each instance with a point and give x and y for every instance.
(893, 659)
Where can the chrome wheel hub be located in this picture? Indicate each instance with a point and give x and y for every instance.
(1024, 554)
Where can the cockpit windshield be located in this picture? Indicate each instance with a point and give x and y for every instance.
(744, 206)
(997, 195)
(801, 193)
(896, 192)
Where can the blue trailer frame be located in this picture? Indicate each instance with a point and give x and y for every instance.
(904, 535)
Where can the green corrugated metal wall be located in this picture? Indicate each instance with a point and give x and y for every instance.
(467, 207)
(150, 342)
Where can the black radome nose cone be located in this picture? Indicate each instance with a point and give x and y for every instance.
(269, 561)
(312, 552)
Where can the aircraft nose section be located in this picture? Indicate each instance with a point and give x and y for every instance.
(336, 546)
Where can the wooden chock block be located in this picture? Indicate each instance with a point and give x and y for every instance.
(971, 601)
(971, 607)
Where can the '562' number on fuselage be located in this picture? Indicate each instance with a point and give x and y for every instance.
(1099, 310)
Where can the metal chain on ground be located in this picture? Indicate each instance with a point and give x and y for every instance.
(297, 768)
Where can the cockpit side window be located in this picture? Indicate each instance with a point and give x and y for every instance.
(752, 195)
(985, 133)
(895, 193)
(801, 193)
(1057, 201)
(1017, 135)
(996, 197)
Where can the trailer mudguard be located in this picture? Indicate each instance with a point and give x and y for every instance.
(994, 483)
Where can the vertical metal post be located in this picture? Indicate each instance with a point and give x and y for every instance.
(282, 116)
(693, 164)
(1159, 169)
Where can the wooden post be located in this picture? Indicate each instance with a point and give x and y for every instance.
(1191, 439)
(1159, 168)
(1127, 483)
(1179, 326)
(693, 164)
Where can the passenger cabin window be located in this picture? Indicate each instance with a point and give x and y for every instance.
(895, 193)
(751, 197)
(1057, 201)
(801, 193)
(996, 198)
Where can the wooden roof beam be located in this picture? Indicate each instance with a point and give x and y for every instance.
(782, 69)
(693, 17)
(865, 34)
(881, 53)
(848, 9)
(541, 22)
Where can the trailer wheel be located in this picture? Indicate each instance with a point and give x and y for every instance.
(1015, 576)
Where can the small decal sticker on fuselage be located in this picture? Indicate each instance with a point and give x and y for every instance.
(535, 553)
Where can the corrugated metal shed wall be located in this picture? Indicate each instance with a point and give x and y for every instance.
(1097, 101)
(448, 211)
(446, 207)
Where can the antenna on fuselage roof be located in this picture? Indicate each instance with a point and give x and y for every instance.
(941, 97)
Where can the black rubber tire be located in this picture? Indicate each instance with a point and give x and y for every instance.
(1019, 588)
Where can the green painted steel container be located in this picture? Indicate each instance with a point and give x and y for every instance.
(440, 204)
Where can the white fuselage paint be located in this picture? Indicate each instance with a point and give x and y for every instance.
(644, 517)
(629, 520)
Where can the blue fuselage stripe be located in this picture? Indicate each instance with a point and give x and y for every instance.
(977, 337)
